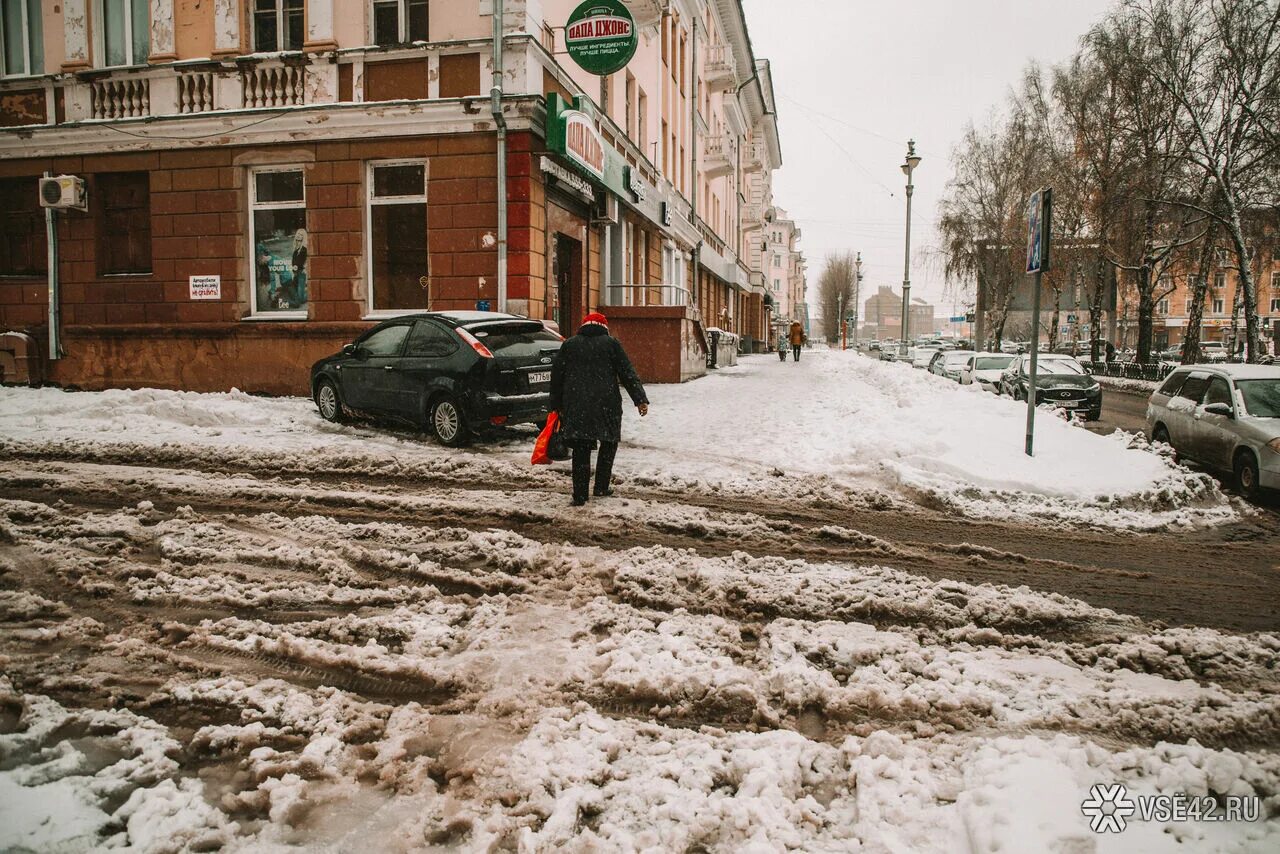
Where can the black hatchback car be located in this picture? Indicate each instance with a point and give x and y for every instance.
(1060, 381)
(450, 372)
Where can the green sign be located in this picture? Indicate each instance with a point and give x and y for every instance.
(601, 36)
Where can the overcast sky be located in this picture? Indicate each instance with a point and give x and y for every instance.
(854, 79)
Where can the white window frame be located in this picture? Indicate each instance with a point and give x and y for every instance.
(370, 200)
(1162, 307)
(255, 205)
(1275, 305)
(29, 41)
(281, 27)
(100, 35)
(402, 28)
(1219, 305)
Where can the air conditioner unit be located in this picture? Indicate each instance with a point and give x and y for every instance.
(63, 192)
(608, 212)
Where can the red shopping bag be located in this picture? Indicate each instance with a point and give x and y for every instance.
(540, 455)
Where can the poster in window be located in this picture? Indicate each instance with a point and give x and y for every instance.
(280, 259)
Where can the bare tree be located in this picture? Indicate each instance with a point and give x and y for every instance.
(1219, 62)
(836, 286)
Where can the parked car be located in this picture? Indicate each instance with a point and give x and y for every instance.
(1060, 380)
(1213, 351)
(985, 369)
(873, 347)
(949, 363)
(1225, 417)
(888, 354)
(920, 356)
(450, 372)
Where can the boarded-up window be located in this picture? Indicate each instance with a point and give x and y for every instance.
(395, 81)
(460, 75)
(124, 225)
(23, 250)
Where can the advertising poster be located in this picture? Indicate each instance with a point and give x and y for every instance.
(280, 259)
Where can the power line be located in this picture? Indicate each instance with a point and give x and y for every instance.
(846, 152)
(840, 121)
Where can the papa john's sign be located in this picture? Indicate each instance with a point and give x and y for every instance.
(600, 36)
(573, 133)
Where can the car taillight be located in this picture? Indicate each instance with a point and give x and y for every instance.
(498, 420)
(484, 351)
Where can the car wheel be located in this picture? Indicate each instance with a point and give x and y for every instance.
(448, 424)
(327, 401)
(1246, 471)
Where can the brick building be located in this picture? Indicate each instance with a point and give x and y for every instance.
(335, 162)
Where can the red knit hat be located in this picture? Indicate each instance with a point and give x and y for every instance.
(595, 319)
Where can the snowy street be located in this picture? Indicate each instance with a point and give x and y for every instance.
(832, 608)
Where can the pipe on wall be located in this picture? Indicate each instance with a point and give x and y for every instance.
(495, 107)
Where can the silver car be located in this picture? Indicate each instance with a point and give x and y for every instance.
(1225, 417)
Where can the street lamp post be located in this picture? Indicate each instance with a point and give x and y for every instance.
(909, 166)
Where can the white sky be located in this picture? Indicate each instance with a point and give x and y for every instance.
(866, 75)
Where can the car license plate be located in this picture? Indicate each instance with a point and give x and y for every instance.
(539, 377)
(1069, 404)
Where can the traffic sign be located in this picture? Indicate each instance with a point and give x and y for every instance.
(959, 318)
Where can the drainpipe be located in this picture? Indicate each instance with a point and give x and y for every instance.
(495, 106)
(55, 297)
(693, 161)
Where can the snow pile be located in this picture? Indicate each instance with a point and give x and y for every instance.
(835, 427)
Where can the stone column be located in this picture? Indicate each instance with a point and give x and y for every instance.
(319, 26)
(75, 22)
(161, 32)
(226, 28)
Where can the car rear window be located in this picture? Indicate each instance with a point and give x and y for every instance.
(1193, 388)
(1173, 383)
(515, 339)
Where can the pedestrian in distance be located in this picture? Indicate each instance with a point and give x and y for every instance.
(585, 377)
(797, 338)
(1111, 352)
(782, 347)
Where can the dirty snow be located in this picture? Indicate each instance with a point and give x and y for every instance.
(835, 426)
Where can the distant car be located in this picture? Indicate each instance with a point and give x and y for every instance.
(1213, 351)
(888, 354)
(874, 347)
(985, 369)
(949, 363)
(451, 373)
(1060, 381)
(1225, 417)
(921, 356)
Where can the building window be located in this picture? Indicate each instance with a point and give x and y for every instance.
(1219, 281)
(630, 96)
(125, 35)
(777, 285)
(1275, 305)
(278, 232)
(23, 247)
(1218, 305)
(397, 219)
(22, 32)
(666, 151)
(777, 260)
(124, 223)
(642, 122)
(548, 38)
(399, 21)
(1162, 307)
(277, 25)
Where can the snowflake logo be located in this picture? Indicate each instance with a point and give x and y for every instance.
(1107, 807)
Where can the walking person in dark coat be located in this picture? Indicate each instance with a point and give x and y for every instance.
(584, 390)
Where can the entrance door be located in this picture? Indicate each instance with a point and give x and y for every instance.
(566, 268)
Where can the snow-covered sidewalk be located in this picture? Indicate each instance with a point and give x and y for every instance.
(835, 426)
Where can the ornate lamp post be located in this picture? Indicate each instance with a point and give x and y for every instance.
(909, 166)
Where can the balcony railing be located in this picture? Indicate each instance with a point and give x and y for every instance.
(658, 295)
(273, 84)
(720, 71)
(195, 92)
(753, 157)
(717, 155)
(119, 97)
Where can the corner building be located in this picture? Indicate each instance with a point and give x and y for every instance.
(265, 181)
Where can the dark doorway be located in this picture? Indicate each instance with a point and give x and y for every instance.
(566, 269)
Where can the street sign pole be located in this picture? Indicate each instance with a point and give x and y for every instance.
(1039, 215)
